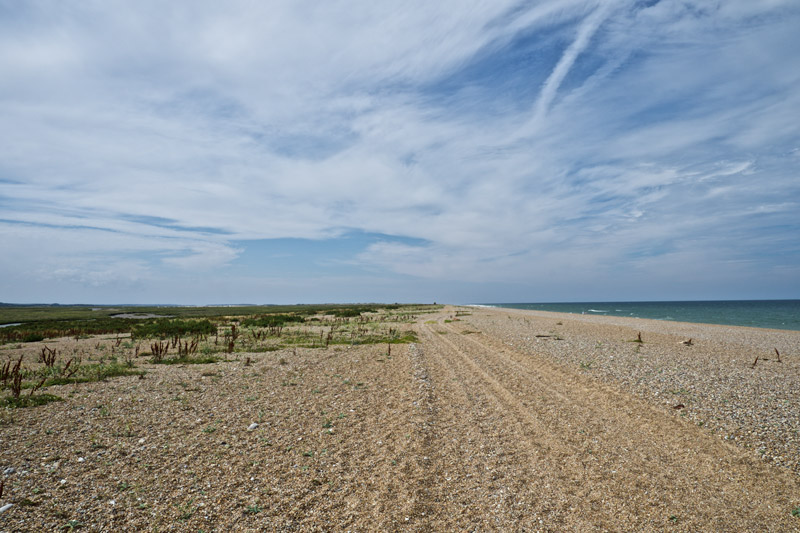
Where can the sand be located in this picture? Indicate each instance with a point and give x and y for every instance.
(480, 426)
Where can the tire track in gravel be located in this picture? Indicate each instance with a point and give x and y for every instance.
(418, 492)
(359, 414)
(387, 471)
(508, 483)
(422, 469)
(616, 459)
(384, 449)
(400, 499)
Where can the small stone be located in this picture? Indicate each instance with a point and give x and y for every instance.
(81, 459)
(6, 507)
(63, 481)
(141, 441)
(252, 426)
(10, 470)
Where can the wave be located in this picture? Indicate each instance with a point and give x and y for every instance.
(774, 314)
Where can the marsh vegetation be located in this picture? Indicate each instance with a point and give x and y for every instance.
(59, 345)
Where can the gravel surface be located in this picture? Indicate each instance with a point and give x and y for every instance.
(480, 426)
(758, 407)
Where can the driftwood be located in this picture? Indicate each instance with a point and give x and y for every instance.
(759, 358)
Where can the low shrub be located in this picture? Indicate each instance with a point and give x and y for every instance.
(173, 328)
(271, 321)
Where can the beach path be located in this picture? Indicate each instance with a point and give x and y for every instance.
(513, 440)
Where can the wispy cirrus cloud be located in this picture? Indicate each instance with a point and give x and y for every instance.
(536, 151)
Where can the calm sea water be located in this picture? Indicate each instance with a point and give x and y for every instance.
(774, 314)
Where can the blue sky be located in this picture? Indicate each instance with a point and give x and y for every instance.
(276, 152)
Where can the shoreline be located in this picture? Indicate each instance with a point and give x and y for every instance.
(674, 327)
(609, 313)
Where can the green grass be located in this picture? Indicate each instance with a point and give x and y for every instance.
(188, 361)
(186, 510)
(51, 328)
(29, 401)
(10, 313)
(90, 373)
(52, 321)
(48, 377)
(380, 338)
(350, 325)
(323, 333)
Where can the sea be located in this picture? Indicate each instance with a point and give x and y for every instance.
(773, 314)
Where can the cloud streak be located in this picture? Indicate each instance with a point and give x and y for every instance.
(585, 32)
(538, 151)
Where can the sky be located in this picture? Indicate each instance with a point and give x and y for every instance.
(202, 152)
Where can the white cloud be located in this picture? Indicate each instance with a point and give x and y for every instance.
(586, 31)
(155, 138)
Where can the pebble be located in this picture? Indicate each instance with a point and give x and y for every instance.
(6, 507)
(252, 426)
(10, 470)
(81, 459)
(714, 378)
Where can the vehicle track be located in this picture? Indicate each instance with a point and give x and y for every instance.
(596, 457)
(522, 485)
